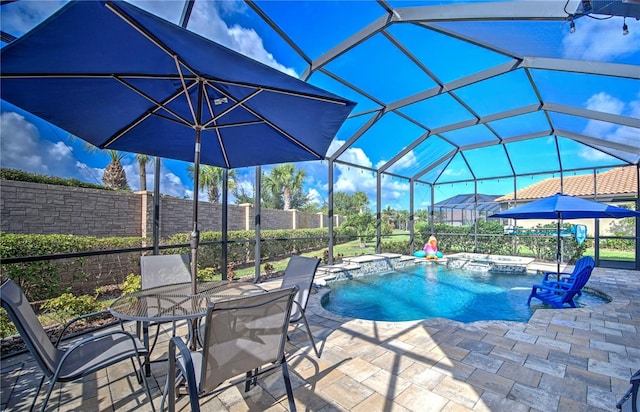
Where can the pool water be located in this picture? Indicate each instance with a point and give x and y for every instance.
(430, 291)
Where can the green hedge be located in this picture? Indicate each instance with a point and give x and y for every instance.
(50, 278)
(19, 175)
(241, 247)
(493, 240)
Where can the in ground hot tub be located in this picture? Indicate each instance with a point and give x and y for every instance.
(479, 262)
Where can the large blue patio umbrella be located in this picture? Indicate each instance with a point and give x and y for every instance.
(123, 79)
(561, 206)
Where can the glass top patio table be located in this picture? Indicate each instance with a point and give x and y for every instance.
(175, 302)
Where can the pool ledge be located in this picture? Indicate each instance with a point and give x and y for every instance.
(602, 283)
(365, 265)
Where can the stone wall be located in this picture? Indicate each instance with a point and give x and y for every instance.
(49, 209)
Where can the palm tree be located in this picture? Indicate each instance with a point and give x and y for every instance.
(143, 159)
(114, 175)
(284, 180)
(211, 179)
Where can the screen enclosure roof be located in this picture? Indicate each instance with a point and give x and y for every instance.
(461, 91)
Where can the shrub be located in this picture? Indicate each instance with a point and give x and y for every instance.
(7, 328)
(268, 268)
(132, 283)
(336, 259)
(19, 175)
(46, 279)
(396, 247)
(67, 306)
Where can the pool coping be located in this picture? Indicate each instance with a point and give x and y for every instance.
(321, 289)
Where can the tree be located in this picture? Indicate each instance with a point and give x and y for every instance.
(114, 175)
(143, 159)
(364, 224)
(211, 180)
(286, 182)
(389, 216)
(346, 205)
(403, 219)
(241, 195)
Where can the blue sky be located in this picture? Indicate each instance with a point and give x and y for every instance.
(35, 146)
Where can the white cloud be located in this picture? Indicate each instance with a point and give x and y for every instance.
(354, 179)
(604, 102)
(21, 147)
(171, 184)
(407, 161)
(315, 197)
(452, 172)
(89, 174)
(206, 21)
(601, 40)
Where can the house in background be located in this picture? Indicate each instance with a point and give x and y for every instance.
(617, 187)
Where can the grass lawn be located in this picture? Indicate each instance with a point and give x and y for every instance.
(613, 254)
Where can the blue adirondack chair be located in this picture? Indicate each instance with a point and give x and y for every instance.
(560, 293)
(566, 279)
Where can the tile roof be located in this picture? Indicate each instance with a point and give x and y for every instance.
(616, 182)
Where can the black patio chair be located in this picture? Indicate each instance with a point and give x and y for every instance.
(243, 336)
(300, 272)
(80, 359)
(161, 270)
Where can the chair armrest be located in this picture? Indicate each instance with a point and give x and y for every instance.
(79, 344)
(189, 374)
(547, 274)
(81, 317)
(549, 288)
(563, 284)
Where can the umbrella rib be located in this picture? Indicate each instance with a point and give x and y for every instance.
(280, 91)
(285, 134)
(264, 120)
(170, 52)
(224, 126)
(126, 18)
(159, 105)
(186, 91)
(238, 103)
(218, 136)
(143, 117)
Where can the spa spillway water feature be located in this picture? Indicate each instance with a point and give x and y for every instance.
(398, 288)
(478, 262)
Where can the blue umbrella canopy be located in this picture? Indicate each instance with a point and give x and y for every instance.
(561, 206)
(123, 79)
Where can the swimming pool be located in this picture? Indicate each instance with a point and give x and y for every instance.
(435, 291)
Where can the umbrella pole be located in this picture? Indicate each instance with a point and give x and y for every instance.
(195, 236)
(195, 233)
(558, 251)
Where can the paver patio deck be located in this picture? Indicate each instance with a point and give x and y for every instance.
(561, 360)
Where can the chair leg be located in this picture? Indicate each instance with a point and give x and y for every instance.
(35, 397)
(144, 381)
(287, 384)
(52, 383)
(313, 343)
(252, 380)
